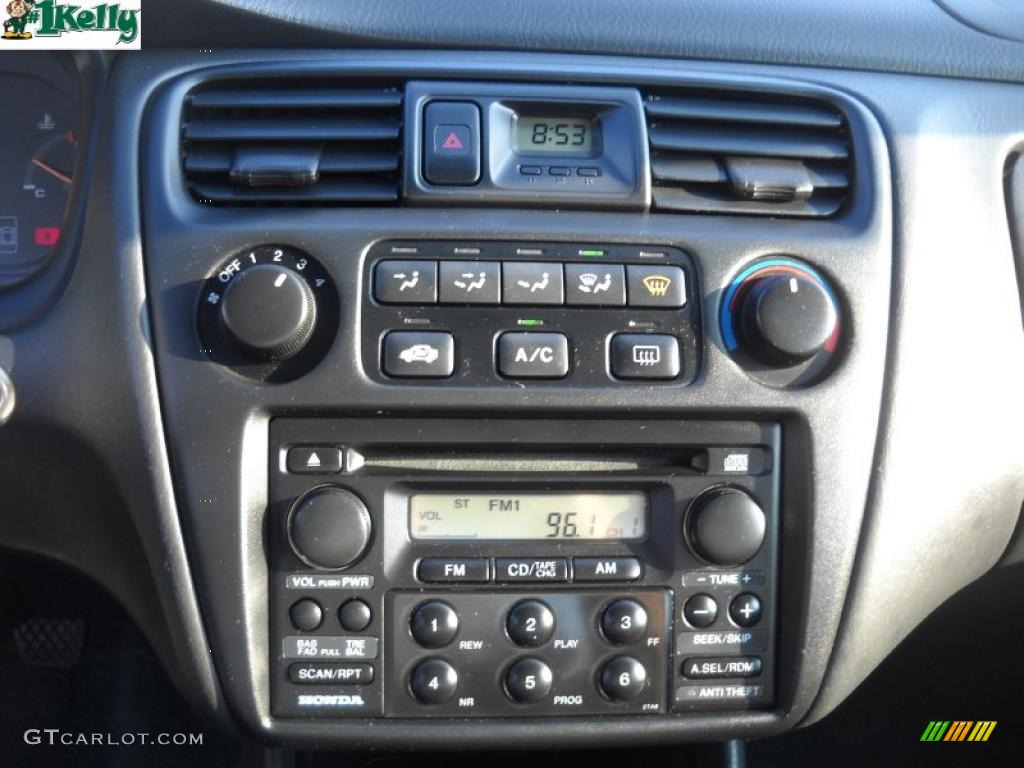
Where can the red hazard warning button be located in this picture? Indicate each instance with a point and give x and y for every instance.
(451, 152)
(452, 139)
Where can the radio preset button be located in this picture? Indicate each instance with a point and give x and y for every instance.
(405, 282)
(700, 611)
(434, 624)
(434, 681)
(530, 624)
(745, 610)
(623, 679)
(355, 615)
(624, 622)
(606, 569)
(306, 615)
(595, 285)
(528, 681)
(515, 569)
(462, 570)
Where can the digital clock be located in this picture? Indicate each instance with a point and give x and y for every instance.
(561, 135)
(529, 516)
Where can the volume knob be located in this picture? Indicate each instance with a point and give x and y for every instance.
(329, 527)
(269, 312)
(725, 526)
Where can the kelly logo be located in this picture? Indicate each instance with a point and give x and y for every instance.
(48, 24)
(958, 730)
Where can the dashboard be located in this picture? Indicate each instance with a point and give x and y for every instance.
(615, 395)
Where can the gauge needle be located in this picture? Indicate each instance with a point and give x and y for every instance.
(51, 170)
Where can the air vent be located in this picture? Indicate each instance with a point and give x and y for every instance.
(732, 154)
(314, 142)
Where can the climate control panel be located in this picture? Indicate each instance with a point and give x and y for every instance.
(520, 314)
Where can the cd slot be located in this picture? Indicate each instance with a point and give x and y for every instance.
(617, 461)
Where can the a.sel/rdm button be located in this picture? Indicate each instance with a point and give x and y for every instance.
(533, 355)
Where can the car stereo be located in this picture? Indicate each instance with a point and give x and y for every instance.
(425, 568)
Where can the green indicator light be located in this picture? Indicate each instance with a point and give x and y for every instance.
(592, 252)
(529, 321)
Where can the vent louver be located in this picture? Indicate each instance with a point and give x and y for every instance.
(733, 154)
(318, 142)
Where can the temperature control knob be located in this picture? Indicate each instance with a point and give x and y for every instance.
(787, 318)
(269, 312)
(329, 527)
(725, 526)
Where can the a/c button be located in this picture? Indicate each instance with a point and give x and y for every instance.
(533, 355)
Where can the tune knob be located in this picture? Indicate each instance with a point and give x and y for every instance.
(269, 312)
(329, 527)
(725, 526)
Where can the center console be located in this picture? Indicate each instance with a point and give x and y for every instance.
(525, 407)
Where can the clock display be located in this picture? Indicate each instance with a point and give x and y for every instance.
(554, 135)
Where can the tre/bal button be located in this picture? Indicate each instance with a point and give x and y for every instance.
(355, 615)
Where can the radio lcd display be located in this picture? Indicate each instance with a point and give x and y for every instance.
(612, 516)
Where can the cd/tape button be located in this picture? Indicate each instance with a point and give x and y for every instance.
(514, 569)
